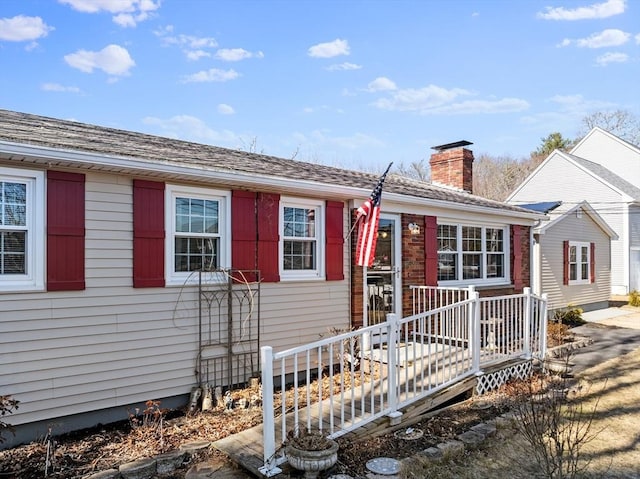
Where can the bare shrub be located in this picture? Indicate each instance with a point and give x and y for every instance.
(556, 428)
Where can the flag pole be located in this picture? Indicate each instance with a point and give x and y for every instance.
(360, 217)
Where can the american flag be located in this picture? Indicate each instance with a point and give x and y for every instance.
(368, 214)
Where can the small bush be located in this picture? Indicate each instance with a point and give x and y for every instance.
(634, 298)
(571, 316)
(557, 333)
(7, 406)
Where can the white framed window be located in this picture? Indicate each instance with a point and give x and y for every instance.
(198, 233)
(579, 262)
(472, 254)
(301, 246)
(22, 213)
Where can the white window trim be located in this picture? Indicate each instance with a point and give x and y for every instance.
(33, 280)
(173, 278)
(579, 245)
(307, 275)
(506, 279)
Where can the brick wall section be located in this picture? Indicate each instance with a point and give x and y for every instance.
(453, 167)
(356, 280)
(412, 259)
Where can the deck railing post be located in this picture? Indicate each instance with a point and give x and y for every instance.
(475, 341)
(392, 351)
(269, 467)
(543, 326)
(527, 322)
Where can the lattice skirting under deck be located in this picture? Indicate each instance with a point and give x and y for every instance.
(490, 381)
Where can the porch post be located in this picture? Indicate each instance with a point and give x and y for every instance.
(474, 328)
(543, 326)
(527, 322)
(269, 467)
(392, 351)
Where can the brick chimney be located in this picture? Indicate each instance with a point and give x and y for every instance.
(452, 165)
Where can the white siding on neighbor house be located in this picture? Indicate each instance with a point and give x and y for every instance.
(572, 228)
(613, 154)
(111, 345)
(634, 251)
(562, 180)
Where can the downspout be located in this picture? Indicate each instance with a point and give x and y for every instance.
(535, 278)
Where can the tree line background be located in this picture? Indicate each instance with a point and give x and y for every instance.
(495, 177)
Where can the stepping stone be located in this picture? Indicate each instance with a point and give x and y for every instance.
(471, 438)
(140, 469)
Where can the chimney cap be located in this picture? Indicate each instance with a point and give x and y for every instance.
(449, 146)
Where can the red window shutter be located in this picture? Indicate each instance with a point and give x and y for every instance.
(516, 241)
(148, 234)
(565, 263)
(430, 251)
(592, 263)
(268, 211)
(334, 253)
(244, 233)
(65, 231)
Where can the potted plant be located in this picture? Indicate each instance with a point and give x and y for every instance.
(310, 451)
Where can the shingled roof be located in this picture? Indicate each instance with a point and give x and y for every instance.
(40, 131)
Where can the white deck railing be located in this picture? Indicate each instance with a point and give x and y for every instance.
(341, 383)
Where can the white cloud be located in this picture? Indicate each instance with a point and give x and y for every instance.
(112, 59)
(420, 99)
(225, 109)
(236, 54)
(597, 10)
(323, 138)
(381, 84)
(127, 13)
(59, 88)
(607, 38)
(433, 99)
(612, 57)
(329, 49)
(193, 47)
(470, 107)
(343, 67)
(638, 38)
(196, 54)
(190, 128)
(211, 75)
(568, 111)
(22, 28)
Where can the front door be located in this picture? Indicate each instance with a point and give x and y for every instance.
(383, 289)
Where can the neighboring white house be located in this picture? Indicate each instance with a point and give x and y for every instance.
(573, 253)
(604, 171)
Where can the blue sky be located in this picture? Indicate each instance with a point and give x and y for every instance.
(354, 84)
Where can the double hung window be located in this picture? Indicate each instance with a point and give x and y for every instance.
(301, 239)
(21, 229)
(579, 262)
(198, 239)
(472, 253)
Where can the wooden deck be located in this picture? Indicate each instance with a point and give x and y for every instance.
(246, 447)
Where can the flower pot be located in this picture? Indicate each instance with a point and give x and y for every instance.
(312, 462)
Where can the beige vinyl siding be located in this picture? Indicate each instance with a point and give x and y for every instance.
(582, 229)
(111, 345)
